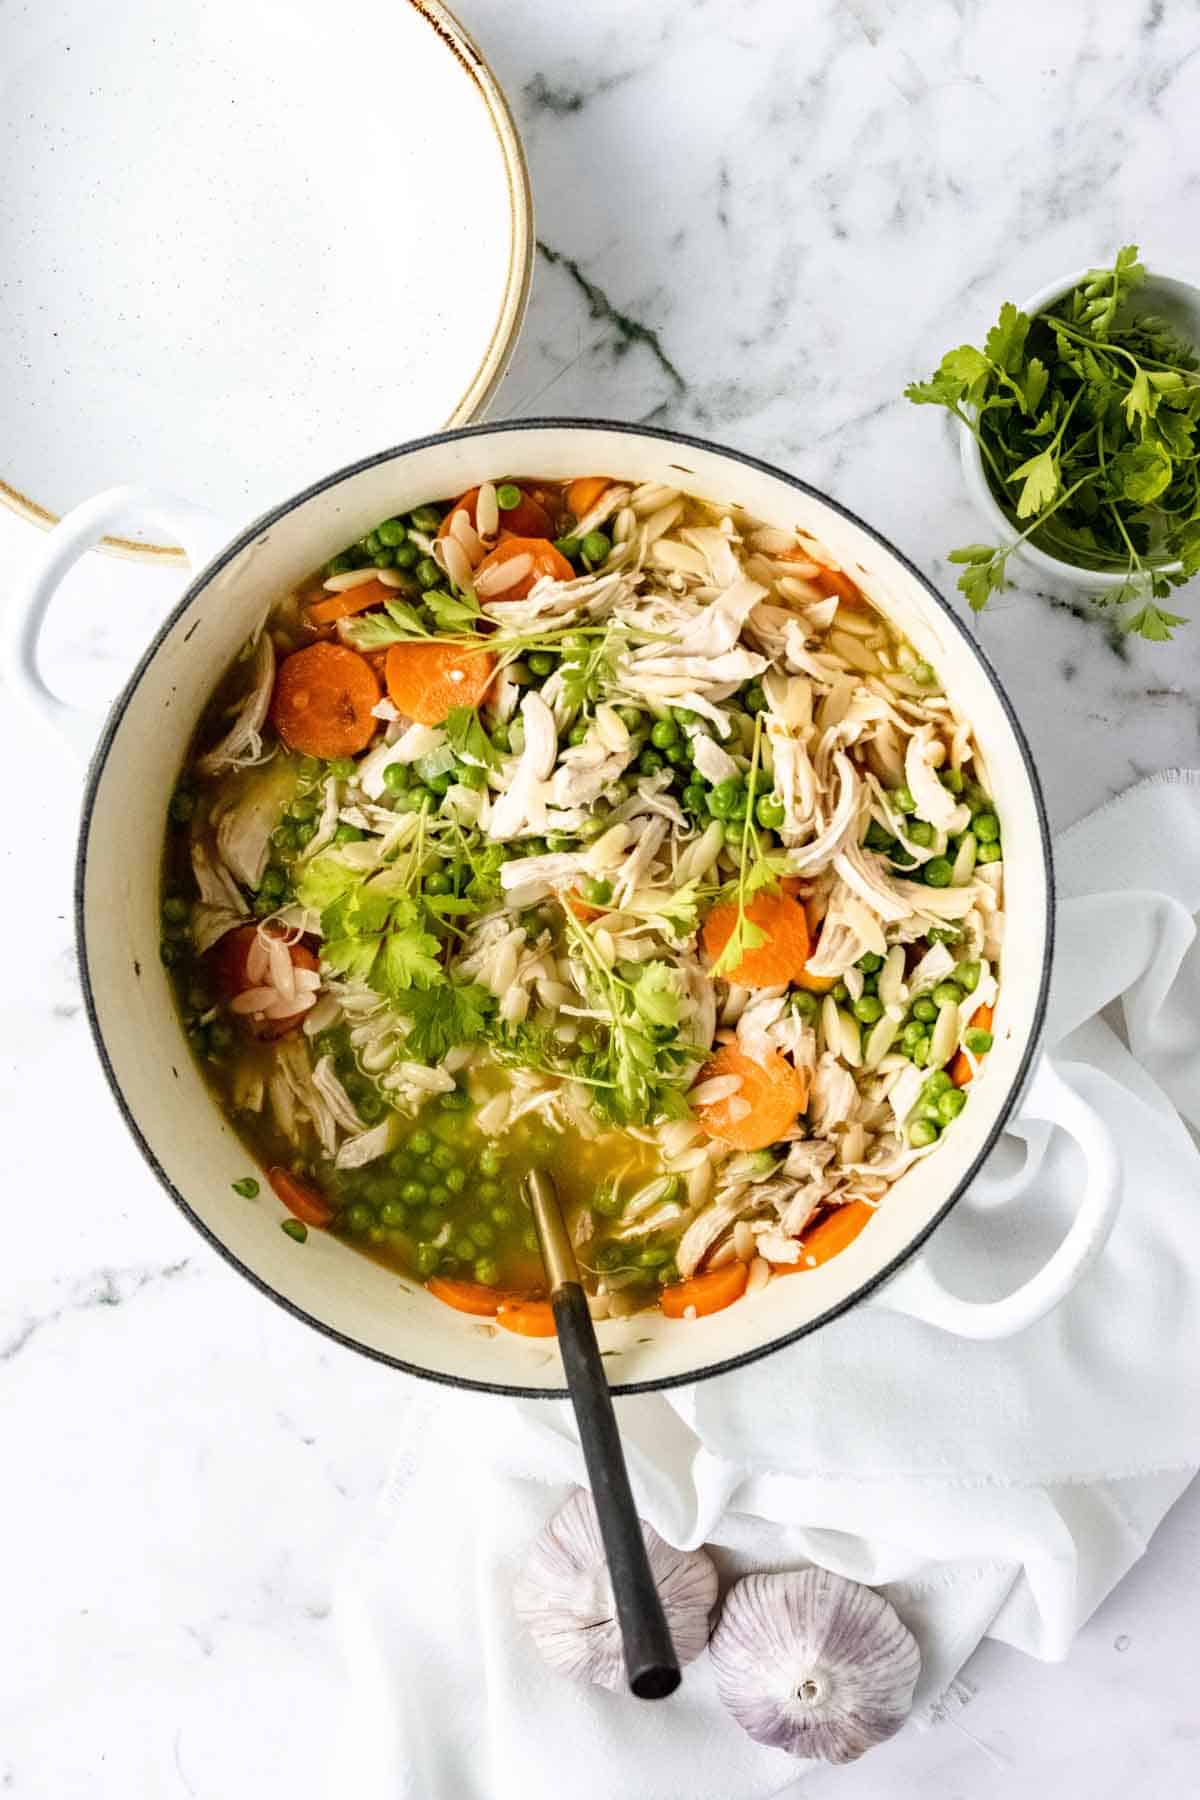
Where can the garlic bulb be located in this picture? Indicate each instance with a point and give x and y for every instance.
(564, 1597)
(814, 1664)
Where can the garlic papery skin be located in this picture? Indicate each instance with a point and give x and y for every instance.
(564, 1598)
(814, 1664)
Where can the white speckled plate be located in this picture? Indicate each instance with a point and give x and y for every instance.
(241, 244)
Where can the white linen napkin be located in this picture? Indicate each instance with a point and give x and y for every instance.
(989, 1489)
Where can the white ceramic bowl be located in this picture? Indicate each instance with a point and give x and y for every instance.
(1178, 302)
(161, 1092)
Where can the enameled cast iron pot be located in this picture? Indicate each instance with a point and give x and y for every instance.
(141, 1042)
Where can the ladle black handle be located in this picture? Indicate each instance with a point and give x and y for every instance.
(650, 1660)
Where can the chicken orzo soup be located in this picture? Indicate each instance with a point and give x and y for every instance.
(597, 828)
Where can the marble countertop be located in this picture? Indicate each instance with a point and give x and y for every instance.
(755, 223)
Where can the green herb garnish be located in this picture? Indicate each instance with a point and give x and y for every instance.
(247, 1187)
(1086, 418)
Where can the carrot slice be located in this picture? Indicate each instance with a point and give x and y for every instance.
(229, 969)
(301, 1197)
(824, 1240)
(544, 560)
(529, 519)
(581, 908)
(329, 608)
(786, 950)
(836, 583)
(529, 1318)
(583, 493)
(323, 700)
(705, 1293)
(960, 1068)
(424, 680)
(775, 1090)
(465, 1296)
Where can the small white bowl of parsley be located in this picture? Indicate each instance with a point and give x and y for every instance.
(1081, 439)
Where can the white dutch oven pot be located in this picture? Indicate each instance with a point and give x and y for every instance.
(163, 1097)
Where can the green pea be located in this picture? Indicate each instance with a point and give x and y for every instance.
(920, 832)
(869, 963)
(439, 882)
(770, 812)
(273, 882)
(943, 934)
(664, 733)
(487, 1271)
(489, 1190)
(683, 715)
(568, 547)
(284, 835)
(169, 953)
(578, 731)
(619, 791)
(902, 800)
(427, 1258)
(595, 547)
(650, 762)
(175, 910)
(678, 755)
(392, 1213)
(348, 834)
(501, 1215)
(877, 838)
(425, 518)
(925, 1010)
(596, 891)
(756, 699)
(439, 1195)
(630, 716)
(308, 770)
(989, 853)
(978, 1041)
(457, 1100)
(359, 1218)
(481, 1234)
(924, 674)
(694, 795)
(508, 496)
(406, 557)
(967, 976)
(542, 663)
(587, 1043)
(868, 1009)
(427, 572)
(912, 1034)
(341, 564)
(489, 1160)
(654, 1256)
(456, 1180)
(182, 806)
(591, 828)
(443, 1157)
(370, 1107)
(950, 1104)
(610, 1256)
(939, 1083)
(383, 559)
(947, 993)
(920, 1050)
(391, 533)
(938, 872)
(724, 797)
(986, 827)
(952, 780)
(840, 991)
(921, 1133)
(462, 1247)
(429, 1222)
(412, 1193)
(804, 1004)
(304, 807)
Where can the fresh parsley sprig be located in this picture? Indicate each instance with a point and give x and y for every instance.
(1090, 412)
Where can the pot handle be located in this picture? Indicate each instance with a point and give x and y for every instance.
(117, 510)
(918, 1292)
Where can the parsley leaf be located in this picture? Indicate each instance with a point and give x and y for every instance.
(453, 612)
(442, 1017)
(1040, 475)
(398, 623)
(467, 738)
(1152, 623)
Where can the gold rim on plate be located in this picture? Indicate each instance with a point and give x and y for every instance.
(483, 384)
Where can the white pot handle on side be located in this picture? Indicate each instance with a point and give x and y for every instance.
(917, 1291)
(116, 511)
